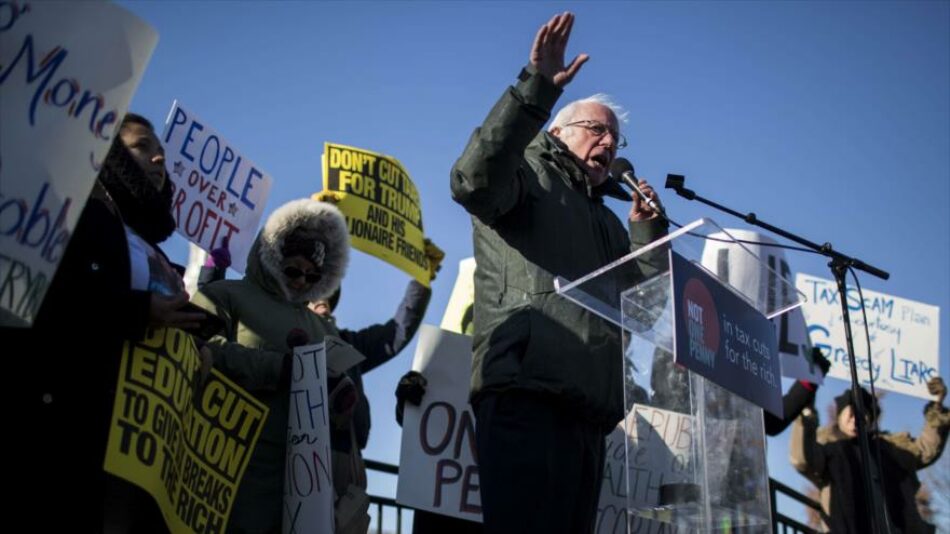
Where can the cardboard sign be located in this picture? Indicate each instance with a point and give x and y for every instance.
(185, 444)
(219, 192)
(722, 337)
(437, 469)
(759, 276)
(381, 204)
(67, 73)
(905, 336)
(308, 495)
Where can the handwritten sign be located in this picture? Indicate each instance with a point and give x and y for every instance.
(381, 204)
(308, 492)
(67, 73)
(219, 192)
(905, 335)
(438, 472)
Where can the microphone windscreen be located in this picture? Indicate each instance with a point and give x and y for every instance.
(620, 166)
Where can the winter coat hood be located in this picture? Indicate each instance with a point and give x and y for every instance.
(322, 222)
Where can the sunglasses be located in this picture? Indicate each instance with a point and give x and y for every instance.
(293, 273)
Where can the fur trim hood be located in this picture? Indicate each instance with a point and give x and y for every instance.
(332, 248)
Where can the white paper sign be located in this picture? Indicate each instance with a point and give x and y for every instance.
(661, 440)
(905, 335)
(753, 279)
(308, 488)
(219, 193)
(437, 469)
(67, 73)
(660, 447)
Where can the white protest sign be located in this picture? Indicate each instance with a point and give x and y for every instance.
(905, 335)
(659, 450)
(219, 193)
(661, 442)
(758, 276)
(67, 73)
(458, 312)
(437, 469)
(308, 488)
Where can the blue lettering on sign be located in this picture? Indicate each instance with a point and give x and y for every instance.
(248, 185)
(840, 354)
(213, 157)
(910, 371)
(21, 289)
(63, 93)
(31, 225)
(827, 294)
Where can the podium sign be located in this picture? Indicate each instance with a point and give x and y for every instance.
(721, 479)
(722, 337)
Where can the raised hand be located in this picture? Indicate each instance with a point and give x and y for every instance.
(547, 52)
(937, 388)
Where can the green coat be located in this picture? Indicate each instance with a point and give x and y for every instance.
(259, 311)
(534, 218)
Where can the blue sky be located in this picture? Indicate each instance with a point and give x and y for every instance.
(829, 119)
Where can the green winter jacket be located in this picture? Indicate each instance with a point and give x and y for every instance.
(535, 218)
(259, 312)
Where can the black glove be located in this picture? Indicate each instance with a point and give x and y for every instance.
(411, 387)
(297, 338)
(819, 359)
(342, 400)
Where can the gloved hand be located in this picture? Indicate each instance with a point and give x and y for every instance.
(220, 257)
(411, 388)
(331, 197)
(938, 389)
(435, 255)
(819, 359)
(296, 338)
(341, 400)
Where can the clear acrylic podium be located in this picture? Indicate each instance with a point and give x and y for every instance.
(694, 453)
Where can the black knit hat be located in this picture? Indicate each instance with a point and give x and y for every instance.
(868, 400)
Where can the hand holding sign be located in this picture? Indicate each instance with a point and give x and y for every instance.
(434, 255)
(938, 389)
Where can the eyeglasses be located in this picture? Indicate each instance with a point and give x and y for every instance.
(600, 129)
(294, 273)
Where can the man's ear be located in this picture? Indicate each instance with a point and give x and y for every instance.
(556, 131)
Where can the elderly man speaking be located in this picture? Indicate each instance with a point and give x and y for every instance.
(547, 379)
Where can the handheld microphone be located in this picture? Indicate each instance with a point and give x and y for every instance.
(622, 171)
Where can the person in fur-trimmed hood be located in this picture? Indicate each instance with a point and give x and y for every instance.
(299, 256)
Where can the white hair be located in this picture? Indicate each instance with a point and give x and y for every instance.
(566, 114)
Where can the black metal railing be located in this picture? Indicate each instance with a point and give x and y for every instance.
(781, 523)
(381, 505)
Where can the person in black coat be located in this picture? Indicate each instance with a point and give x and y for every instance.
(66, 364)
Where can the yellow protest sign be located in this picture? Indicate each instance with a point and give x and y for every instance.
(186, 444)
(381, 205)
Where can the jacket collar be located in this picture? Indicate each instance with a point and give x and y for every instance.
(545, 143)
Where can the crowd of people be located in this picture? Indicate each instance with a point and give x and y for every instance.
(546, 374)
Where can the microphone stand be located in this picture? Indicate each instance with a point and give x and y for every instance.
(839, 265)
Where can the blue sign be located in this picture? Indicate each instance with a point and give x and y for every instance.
(724, 338)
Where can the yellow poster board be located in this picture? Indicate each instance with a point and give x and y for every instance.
(458, 312)
(185, 443)
(381, 205)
